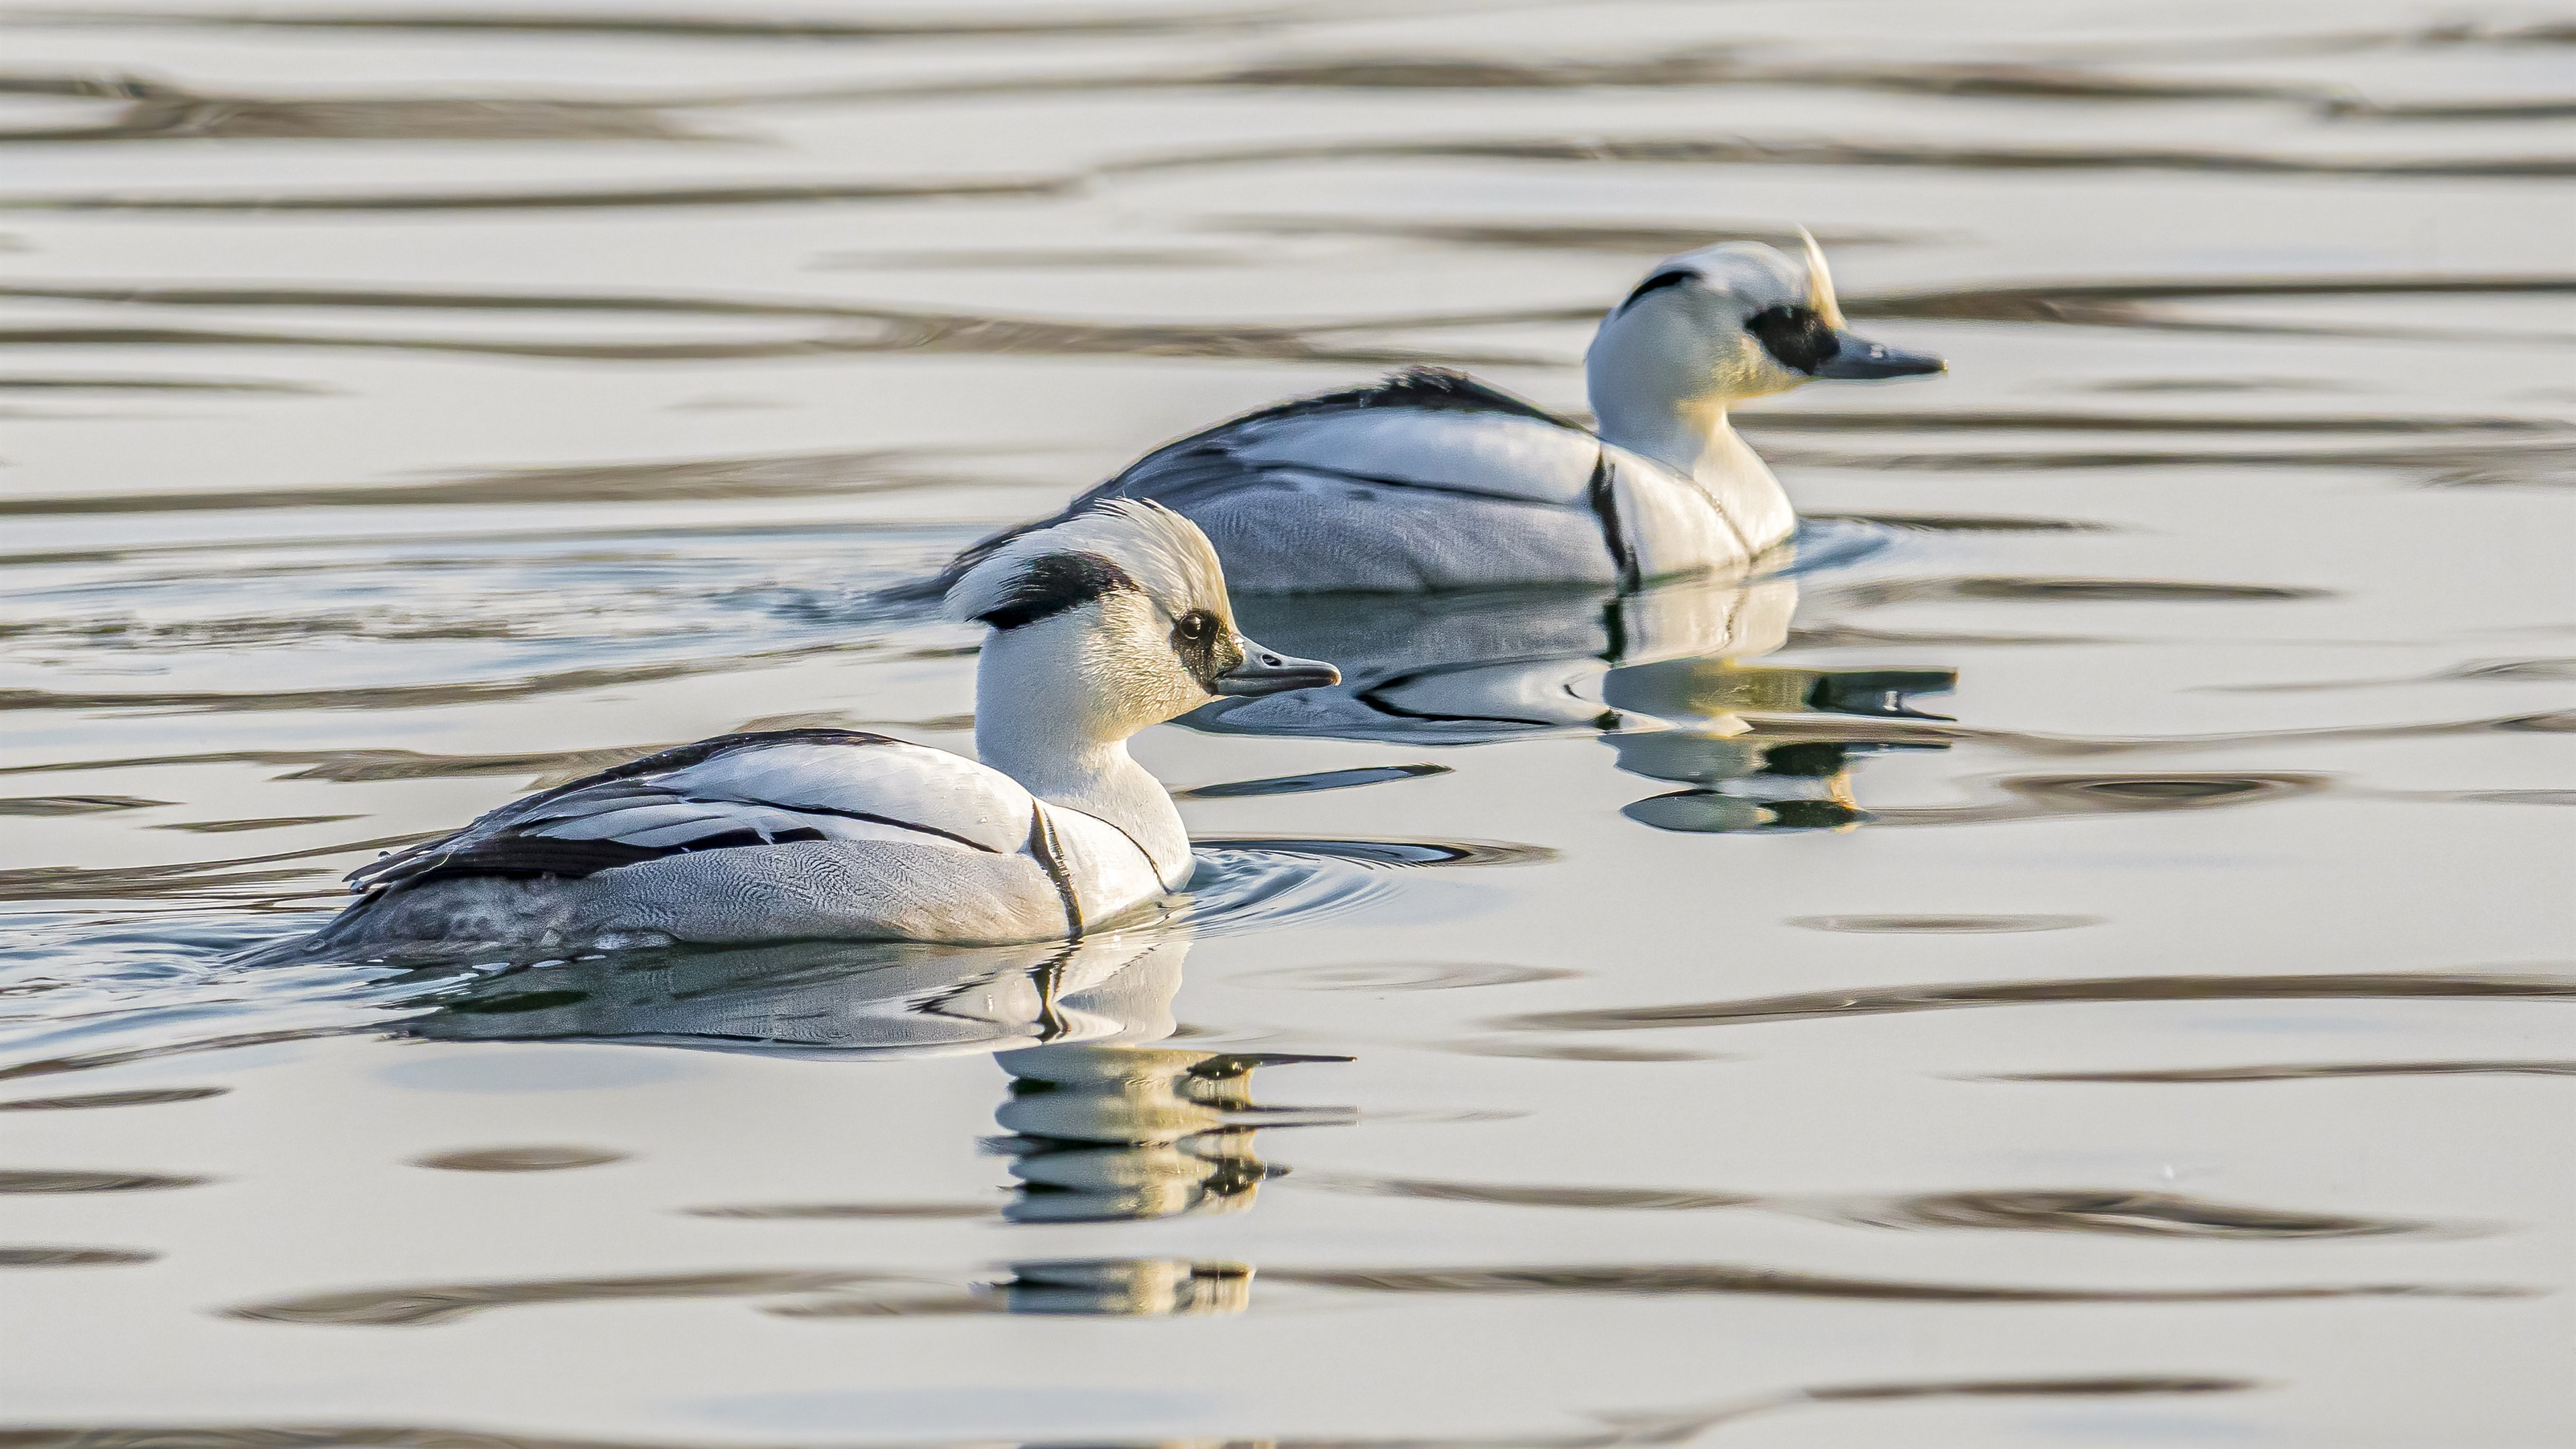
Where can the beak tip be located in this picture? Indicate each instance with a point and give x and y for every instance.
(1860, 360)
(1276, 675)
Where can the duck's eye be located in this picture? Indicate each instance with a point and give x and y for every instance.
(1201, 640)
(1796, 336)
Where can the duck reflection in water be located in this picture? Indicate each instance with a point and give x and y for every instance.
(1124, 1287)
(833, 999)
(1102, 1122)
(1103, 1133)
(1658, 672)
(1054, 1287)
(1765, 747)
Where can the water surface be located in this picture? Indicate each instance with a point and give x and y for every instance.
(2082, 958)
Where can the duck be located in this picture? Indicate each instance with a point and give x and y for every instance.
(1431, 480)
(1101, 624)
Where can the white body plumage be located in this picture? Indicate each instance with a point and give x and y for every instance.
(1112, 620)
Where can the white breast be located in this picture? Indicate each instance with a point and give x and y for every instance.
(1110, 872)
(1669, 525)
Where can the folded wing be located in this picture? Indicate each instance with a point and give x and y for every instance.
(1422, 433)
(1428, 430)
(769, 788)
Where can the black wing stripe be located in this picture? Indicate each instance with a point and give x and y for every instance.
(534, 853)
(1410, 485)
(525, 856)
(520, 856)
(1603, 493)
(1236, 472)
(1043, 849)
(874, 819)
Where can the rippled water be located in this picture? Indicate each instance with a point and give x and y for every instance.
(2080, 959)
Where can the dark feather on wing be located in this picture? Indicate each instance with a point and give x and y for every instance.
(502, 847)
(525, 856)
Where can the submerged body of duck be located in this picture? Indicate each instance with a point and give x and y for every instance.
(1109, 621)
(1434, 481)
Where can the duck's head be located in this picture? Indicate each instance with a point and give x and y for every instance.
(1737, 320)
(1112, 620)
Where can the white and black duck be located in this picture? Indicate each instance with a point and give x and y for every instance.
(1433, 480)
(1104, 623)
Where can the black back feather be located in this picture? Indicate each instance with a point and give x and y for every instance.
(1057, 582)
(1438, 388)
(1655, 283)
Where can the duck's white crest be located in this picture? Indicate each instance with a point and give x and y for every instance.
(1166, 554)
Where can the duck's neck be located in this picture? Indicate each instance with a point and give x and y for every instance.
(1025, 728)
(1691, 436)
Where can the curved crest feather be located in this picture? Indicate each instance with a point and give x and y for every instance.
(1820, 282)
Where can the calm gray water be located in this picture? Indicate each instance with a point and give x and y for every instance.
(2080, 960)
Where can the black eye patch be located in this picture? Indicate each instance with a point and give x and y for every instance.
(1055, 583)
(1796, 336)
(1657, 283)
(1206, 647)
